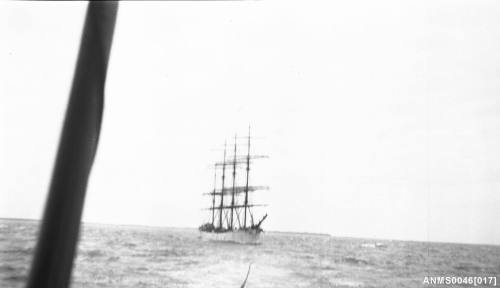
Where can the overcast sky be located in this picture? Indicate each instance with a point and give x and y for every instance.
(381, 118)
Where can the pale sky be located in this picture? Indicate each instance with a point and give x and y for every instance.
(381, 118)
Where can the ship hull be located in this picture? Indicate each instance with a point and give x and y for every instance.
(251, 237)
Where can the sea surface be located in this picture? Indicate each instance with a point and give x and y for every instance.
(131, 256)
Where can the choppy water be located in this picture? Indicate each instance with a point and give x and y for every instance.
(126, 256)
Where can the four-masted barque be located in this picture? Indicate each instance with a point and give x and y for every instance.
(232, 218)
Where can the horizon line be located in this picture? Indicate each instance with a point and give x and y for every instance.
(271, 231)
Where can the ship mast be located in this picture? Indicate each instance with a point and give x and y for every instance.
(222, 189)
(226, 211)
(234, 180)
(213, 197)
(246, 186)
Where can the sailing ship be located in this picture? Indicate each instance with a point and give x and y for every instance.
(232, 217)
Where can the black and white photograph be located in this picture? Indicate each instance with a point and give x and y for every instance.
(250, 144)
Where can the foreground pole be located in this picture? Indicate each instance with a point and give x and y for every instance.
(57, 241)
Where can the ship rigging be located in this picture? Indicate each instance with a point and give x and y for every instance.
(231, 210)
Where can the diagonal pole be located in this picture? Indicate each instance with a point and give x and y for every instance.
(57, 241)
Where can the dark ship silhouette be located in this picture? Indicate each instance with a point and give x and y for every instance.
(233, 220)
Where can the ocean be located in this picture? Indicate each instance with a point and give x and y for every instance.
(132, 256)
